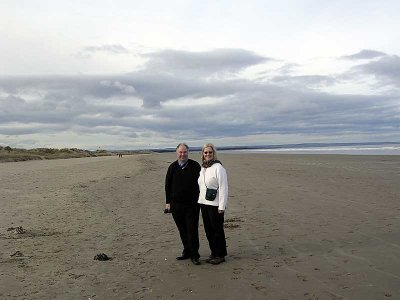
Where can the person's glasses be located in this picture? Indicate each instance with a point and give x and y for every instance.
(208, 152)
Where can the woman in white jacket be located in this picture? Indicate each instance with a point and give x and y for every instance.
(213, 184)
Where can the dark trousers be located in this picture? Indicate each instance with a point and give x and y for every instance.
(186, 218)
(214, 227)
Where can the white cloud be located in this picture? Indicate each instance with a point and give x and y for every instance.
(186, 106)
(128, 74)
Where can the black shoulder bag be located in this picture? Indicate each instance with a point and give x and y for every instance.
(211, 194)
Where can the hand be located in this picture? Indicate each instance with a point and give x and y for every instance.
(220, 211)
(167, 209)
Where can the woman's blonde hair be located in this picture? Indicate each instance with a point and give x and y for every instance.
(208, 145)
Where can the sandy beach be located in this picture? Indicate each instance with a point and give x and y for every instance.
(297, 227)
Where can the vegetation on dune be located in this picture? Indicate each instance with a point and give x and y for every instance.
(8, 154)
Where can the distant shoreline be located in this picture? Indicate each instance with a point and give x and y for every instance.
(345, 150)
(286, 146)
(371, 148)
(8, 154)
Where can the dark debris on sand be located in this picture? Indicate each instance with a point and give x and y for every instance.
(101, 257)
(18, 229)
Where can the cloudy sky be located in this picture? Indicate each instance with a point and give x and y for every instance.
(119, 74)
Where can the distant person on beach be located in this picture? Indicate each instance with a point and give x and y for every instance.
(181, 195)
(213, 183)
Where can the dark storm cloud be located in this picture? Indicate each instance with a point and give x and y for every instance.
(386, 68)
(206, 63)
(282, 112)
(46, 129)
(148, 103)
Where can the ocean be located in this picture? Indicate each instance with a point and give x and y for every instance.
(343, 149)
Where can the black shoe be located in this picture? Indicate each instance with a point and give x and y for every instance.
(217, 260)
(210, 258)
(183, 257)
(195, 261)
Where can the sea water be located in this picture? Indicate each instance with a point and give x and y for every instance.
(359, 149)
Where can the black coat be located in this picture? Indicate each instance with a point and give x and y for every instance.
(181, 184)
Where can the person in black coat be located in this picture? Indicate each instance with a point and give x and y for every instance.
(181, 195)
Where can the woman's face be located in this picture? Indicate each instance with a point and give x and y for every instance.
(208, 153)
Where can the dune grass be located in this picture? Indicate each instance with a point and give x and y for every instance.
(8, 154)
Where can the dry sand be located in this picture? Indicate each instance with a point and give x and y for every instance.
(299, 227)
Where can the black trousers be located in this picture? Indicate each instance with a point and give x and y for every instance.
(214, 227)
(186, 218)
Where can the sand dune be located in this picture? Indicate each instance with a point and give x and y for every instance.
(298, 227)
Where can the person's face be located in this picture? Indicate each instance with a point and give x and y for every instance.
(182, 153)
(208, 153)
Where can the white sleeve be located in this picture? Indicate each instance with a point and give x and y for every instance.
(223, 187)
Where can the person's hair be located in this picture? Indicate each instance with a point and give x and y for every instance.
(208, 145)
(182, 144)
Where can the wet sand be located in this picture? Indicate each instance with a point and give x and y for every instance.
(298, 227)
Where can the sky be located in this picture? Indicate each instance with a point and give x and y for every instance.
(150, 74)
